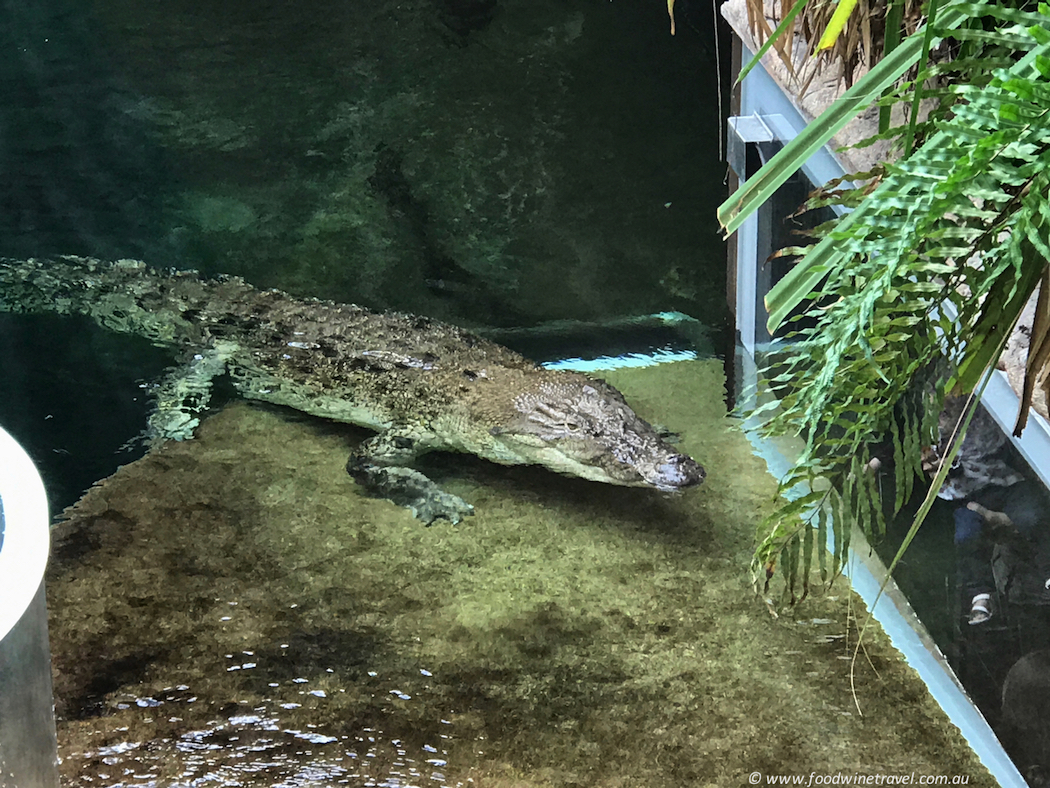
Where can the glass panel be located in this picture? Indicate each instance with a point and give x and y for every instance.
(781, 226)
(980, 585)
(978, 574)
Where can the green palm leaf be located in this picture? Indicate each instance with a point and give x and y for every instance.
(937, 261)
(757, 190)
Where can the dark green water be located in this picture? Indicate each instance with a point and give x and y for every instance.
(559, 160)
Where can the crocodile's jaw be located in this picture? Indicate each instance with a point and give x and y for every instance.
(671, 473)
(676, 472)
(582, 427)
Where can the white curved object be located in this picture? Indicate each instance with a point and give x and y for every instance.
(26, 538)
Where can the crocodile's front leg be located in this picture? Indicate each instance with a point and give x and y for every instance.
(380, 463)
(184, 394)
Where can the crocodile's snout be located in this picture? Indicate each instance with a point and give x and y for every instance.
(584, 427)
(676, 473)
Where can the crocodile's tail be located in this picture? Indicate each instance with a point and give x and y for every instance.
(130, 297)
(126, 295)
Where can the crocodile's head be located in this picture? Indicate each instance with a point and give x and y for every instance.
(582, 427)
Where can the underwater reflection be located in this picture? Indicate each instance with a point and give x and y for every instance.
(273, 744)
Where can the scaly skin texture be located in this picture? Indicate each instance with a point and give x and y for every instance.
(421, 384)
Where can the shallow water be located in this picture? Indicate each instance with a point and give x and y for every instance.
(231, 611)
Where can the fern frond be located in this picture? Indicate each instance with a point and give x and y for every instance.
(964, 220)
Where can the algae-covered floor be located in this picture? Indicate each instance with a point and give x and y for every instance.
(231, 611)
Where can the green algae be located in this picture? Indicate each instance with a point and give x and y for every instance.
(230, 610)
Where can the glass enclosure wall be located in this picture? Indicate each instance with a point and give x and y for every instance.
(984, 600)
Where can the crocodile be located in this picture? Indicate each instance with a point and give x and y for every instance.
(422, 385)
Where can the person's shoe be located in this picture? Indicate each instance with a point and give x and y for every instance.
(980, 609)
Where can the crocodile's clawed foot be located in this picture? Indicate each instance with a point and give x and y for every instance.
(411, 489)
(440, 505)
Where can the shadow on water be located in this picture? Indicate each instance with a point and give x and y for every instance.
(75, 396)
